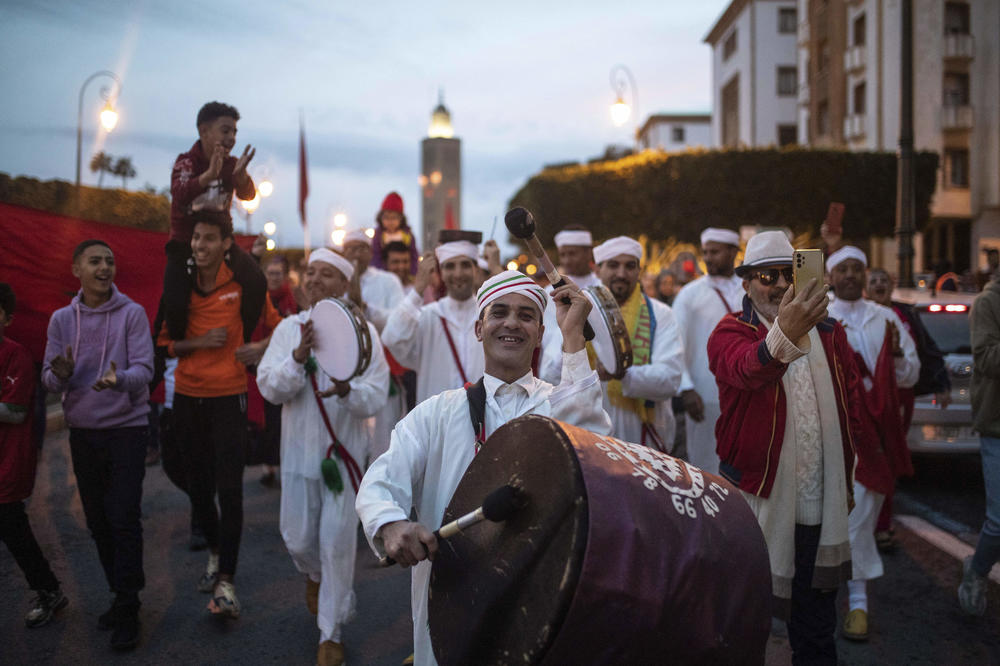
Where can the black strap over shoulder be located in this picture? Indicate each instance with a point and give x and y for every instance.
(476, 393)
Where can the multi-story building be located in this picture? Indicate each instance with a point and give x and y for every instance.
(440, 177)
(849, 97)
(676, 131)
(755, 74)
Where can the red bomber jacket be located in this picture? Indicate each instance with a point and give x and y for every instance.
(750, 430)
(186, 194)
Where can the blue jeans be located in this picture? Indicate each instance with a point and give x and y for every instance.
(988, 548)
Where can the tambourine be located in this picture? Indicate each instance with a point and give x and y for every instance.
(342, 344)
(611, 341)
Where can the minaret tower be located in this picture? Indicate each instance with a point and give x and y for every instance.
(440, 177)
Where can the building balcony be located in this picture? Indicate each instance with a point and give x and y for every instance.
(959, 47)
(956, 117)
(854, 126)
(854, 58)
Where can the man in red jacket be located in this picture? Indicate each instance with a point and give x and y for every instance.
(788, 391)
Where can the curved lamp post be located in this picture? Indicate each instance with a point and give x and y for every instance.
(621, 78)
(109, 117)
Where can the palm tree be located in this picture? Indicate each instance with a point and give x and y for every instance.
(124, 168)
(100, 163)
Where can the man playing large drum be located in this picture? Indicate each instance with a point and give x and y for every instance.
(317, 520)
(434, 444)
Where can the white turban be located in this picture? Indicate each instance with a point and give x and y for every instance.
(616, 246)
(357, 236)
(579, 237)
(511, 282)
(461, 248)
(726, 236)
(334, 259)
(844, 253)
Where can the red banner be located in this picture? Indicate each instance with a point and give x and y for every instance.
(36, 253)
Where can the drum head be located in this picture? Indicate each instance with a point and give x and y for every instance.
(603, 343)
(498, 590)
(336, 340)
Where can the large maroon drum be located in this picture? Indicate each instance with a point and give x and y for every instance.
(622, 555)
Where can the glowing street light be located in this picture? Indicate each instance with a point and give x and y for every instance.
(620, 111)
(621, 78)
(512, 265)
(338, 236)
(340, 220)
(265, 188)
(108, 117)
(270, 244)
(270, 228)
(251, 205)
(370, 233)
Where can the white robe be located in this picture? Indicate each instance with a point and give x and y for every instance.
(657, 381)
(318, 527)
(698, 310)
(432, 447)
(415, 336)
(382, 293)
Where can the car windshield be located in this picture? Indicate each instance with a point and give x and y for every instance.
(950, 330)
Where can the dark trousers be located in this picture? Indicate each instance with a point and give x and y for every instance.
(15, 531)
(178, 281)
(271, 436)
(814, 613)
(110, 465)
(211, 437)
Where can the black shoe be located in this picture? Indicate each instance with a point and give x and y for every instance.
(108, 619)
(198, 540)
(44, 606)
(126, 633)
(269, 480)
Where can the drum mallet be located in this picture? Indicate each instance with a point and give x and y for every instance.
(521, 224)
(497, 507)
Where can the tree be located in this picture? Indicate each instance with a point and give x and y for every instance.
(124, 168)
(99, 164)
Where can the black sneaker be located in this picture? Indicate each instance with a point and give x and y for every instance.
(44, 606)
(126, 633)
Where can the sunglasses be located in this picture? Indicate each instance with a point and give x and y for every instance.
(769, 276)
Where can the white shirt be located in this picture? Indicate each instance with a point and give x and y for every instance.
(864, 322)
(382, 292)
(698, 310)
(416, 337)
(434, 444)
(304, 438)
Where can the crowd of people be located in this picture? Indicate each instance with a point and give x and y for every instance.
(800, 397)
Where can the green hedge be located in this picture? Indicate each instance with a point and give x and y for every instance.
(129, 209)
(677, 195)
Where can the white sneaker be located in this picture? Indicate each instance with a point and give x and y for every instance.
(210, 578)
(972, 591)
(224, 602)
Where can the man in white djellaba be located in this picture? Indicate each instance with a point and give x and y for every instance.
(698, 307)
(434, 444)
(323, 440)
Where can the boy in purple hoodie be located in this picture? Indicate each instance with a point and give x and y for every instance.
(99, 355)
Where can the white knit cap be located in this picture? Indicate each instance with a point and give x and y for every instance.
(615, 246)
(357, 236)
(511, 282)
(768, 248)
(461, 248)
(727, 236)
(846, 252)
(579, 237)
(334, 259)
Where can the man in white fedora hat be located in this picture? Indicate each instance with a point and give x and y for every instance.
(698, 307)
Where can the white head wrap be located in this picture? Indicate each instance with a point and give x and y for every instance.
(579, 237)
(615, 246)
(846, 252)
(461, 248)
(727, 236)
(511, 282)
(357, 236)
(334, 259)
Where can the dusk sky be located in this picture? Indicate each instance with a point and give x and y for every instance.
(526, 85)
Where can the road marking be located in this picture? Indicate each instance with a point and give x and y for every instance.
(943, 540)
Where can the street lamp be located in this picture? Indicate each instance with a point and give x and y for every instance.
(109, 117)
(270, 227)
(250, 206)
(265, 188)
(621, 78)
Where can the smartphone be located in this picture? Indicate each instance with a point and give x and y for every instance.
(807, 264)
(835, 218)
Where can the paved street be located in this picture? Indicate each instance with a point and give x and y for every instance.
(915, 617)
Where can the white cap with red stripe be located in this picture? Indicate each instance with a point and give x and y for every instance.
(511, 282)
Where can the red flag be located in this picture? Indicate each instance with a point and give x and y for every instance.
(303, 175)
(449, 217)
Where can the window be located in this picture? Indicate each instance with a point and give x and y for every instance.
(787, 80)
(859, 99)
(731, 113)
(859, 30)
(956, 166)
(956, 18)
(788, 135)
(956, 89)
(729, 46)
(823, 119)
(787, 20)
(677, 133)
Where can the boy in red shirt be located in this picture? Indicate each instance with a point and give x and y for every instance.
(204, 179)
(17, 469)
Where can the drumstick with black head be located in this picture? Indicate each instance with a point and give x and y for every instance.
(521, 224)
(498, 506)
